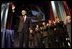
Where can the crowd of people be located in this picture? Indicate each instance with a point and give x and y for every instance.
(22, 33)
(52, 34)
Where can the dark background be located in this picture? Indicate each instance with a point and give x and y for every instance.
(27, 4)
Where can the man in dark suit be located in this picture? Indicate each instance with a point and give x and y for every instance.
(23, 29)
(61, 33)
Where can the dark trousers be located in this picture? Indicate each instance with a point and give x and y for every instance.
(23, 40)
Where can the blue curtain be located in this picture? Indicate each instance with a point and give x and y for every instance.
(7, 37)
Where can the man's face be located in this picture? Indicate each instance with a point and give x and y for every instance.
(50, 22)
(68, 19)
(57, 19)
(37, 26)
(23, 12)
(43, 23)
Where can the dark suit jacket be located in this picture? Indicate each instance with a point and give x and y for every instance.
(23, 30)
(24, 26)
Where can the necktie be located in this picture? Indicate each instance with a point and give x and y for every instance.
(24, 18)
